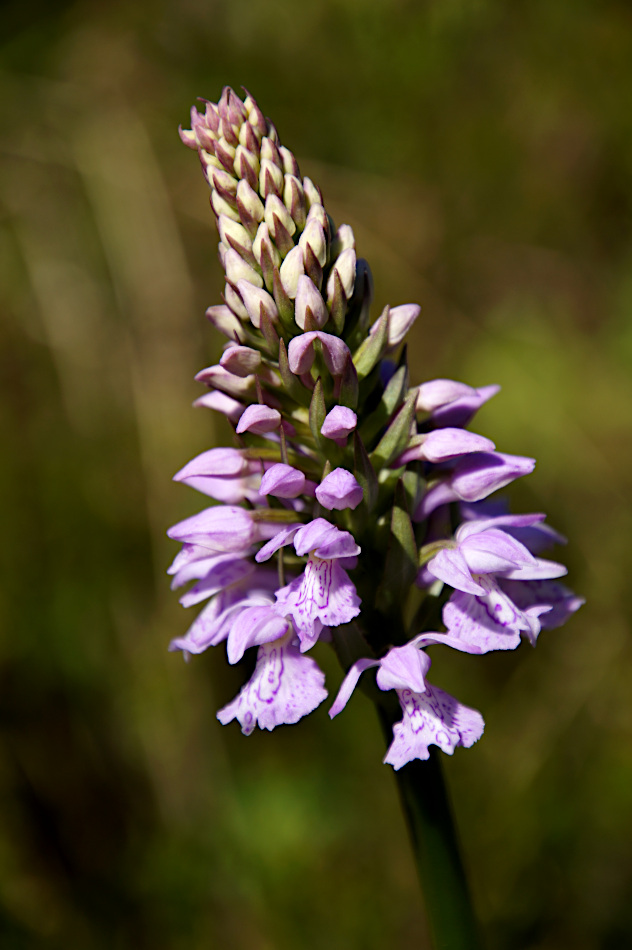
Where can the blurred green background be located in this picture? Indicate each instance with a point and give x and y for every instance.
(482, 151)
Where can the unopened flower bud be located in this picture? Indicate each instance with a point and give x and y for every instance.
(313, 194)
(314, 236)
(312, 268)
(294, 200)
(344, 238)
(270, 152)
(451, 403)
(231, 108)
(401, 320)
(345, 267)
(225, 183)
(225, 321)
(270, 179)
(229, 133)
(441, 445)
(271, 132)
(300, 352)
(263, 241)
(339, 422)
(205, 137)
(237, 269)
(339, 490)
(220, 378)
(249, 206)
(257, 300)
(208, 163)
(235, 235)
(280, 223)
(235, 302)
(246, 165)
(283, 481)
(240, 360)
(221, 206)
(220, 402)
(259, 420)
(290, 165)
(310, 310)
(291, 269)
(225, 153)
(255, 116)
(318, 213)
(188, 137)
(211, 117)
(248, 138)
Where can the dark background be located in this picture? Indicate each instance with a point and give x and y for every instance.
(482, 151)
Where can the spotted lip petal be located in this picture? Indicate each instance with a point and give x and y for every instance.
(323, 596)
(493, 621)
(431, 718)
(284, 687)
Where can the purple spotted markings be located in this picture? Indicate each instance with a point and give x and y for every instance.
(333, 514)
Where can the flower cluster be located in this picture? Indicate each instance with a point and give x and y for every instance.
(352, 508)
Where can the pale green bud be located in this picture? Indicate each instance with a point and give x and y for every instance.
(222, 207)
(263, 239)
(223, 181)
(291, 269)
(238, 269)
(270, 152)
(224, 320)
(314, 237)
(345, 267)
(275, 211)
(290, 165)
(246, 165)
(257, 301)
(294, 200)
(270, 179)
(343, 239)
(241, 361)
(235, 302)
(313, 194)
(235, 235)
(310, 311)
(249, 206)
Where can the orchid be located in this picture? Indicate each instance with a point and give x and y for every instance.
(367, 499)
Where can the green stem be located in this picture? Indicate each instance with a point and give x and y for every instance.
(433, 835)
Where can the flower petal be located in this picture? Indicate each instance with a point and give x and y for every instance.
(284, 687)
(349, 683)
(450, 566)
(325, 540)
(283, 481)
(324, 595)
(339, 490)
(404, 668)
(431, 718)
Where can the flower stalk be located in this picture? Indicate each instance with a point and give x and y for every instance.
(350, 501)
